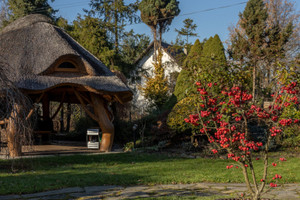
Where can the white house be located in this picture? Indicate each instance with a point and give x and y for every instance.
(145, 68)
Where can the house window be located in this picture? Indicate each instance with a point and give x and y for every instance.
(66, 65)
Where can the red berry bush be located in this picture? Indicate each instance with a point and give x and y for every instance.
(224, 118)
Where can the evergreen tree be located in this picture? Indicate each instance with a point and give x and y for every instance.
(4, 11)
(20, 8)
(213, 64)
(188, 29)
(63, 23)
(116, 15)
(205, 63)
(194, 54)
(158, 15)
(132, 47)
(184, 85)
(89, 32)
(186, 78)
(248, 45)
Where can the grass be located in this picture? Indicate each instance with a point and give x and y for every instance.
(48, 173)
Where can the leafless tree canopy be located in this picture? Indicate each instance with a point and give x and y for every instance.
(14, 112)
(283, 12)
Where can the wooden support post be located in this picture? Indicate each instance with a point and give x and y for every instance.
(46, 108)
(13, 140)
(105, 123)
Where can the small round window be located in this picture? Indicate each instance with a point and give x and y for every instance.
(66, 65)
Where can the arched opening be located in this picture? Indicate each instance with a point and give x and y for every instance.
(66, 65)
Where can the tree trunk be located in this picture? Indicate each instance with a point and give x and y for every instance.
(104, 122)
(154, 43)
(14, 140)
(116, 28)
(160, 38)
(254, 83)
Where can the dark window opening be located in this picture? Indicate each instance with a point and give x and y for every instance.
(66, 65)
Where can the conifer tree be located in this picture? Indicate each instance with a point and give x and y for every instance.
(248, 45)
(205, 63)
(21, 8)
(158, 15)
(116, 14)
(89, 32)
(188, 29)
(4, 11)
(213, 64)
(186, 78)
(194, 55)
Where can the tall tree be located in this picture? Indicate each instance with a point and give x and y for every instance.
(283, 13)
(213, 66)
(283, 30)
(248, 44)
(158, 15)
(205, 63)
(194, 54)
(4, 12)
(132, 47)
(188, 29)
(89, 32)
(186, 78)
(265, 41)
(115, 14)
(20, 8)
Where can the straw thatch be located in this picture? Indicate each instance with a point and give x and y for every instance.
(33, 47)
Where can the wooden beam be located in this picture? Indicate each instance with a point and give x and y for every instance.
(30, 114)
(94, 117)
(5, 121)
(105, 123)
(60, 105)
(40, 98)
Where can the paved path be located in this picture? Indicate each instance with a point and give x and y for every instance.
(286, 192)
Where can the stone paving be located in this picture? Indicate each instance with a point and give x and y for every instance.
(286, 192)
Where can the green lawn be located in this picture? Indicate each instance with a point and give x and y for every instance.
(41, 174)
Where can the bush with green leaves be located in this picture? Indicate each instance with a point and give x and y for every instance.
(291, 135)
(179, 112)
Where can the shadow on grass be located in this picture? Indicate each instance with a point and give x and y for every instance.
(31, 182)
(26, 164)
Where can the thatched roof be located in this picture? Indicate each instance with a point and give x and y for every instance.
(31, 47)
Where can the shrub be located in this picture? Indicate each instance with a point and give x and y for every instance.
(224, 117)
(81, 126)
(184, 85)
(291, 135)
(180, 111)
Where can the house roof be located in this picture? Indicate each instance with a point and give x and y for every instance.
(30, 47)
(166, 47)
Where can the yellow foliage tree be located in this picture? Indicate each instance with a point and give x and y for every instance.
(156, 89)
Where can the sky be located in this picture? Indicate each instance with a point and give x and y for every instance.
(211, 16)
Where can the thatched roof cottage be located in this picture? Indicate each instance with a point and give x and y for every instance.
(48, 65)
